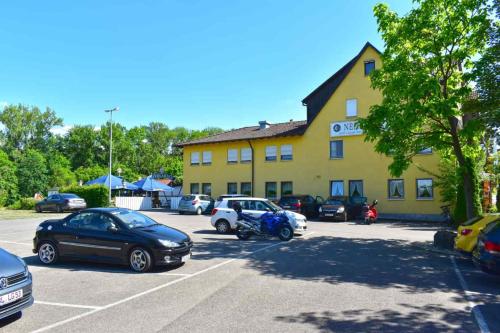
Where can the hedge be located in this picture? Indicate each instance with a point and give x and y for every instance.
(94, 195)
(24, 203)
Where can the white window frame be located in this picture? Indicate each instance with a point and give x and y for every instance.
(285, 151)
(351, 107)
(207, 158)
(332, 183)
(271, 153)
(400, 189)
(232, 156)
(195, 158)
(432, 189)
(246, 155)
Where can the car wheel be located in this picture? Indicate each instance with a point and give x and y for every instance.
(181, 212)
(222, 226)
(48, 253)
(199, 211)
(38, 209)
(286, 233)
(243, 235)
(140, 260)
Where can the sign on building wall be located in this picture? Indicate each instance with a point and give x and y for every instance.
(345, 128)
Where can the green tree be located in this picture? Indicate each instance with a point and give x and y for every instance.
(27, 127)
(8, 181)
(59, 171)
(85, 174)
(32, 173)
(82, 148)
(425, 79)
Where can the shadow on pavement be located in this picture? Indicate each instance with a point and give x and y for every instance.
(9, 320)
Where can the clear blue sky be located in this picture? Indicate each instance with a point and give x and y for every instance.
(186, 63)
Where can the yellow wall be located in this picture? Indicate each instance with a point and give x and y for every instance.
(311, 169)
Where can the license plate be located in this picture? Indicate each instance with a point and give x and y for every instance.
(11, 297)
(286, 207)
(185, 258)
(328, 214)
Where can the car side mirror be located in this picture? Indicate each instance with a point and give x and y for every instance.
(112, 228)
(375, 202)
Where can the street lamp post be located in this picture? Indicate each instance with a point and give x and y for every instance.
(110, 146)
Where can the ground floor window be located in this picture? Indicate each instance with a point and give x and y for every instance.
(206, 188)
(337, 187)
(246, 188)
(396, 188)
(194, 188)
(286, 188)
(336, 149)
(271, 190)
(232, 188)
(355, 188)
(425, 188)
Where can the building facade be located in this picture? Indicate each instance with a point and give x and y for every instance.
(322, 156)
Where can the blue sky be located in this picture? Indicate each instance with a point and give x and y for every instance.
(185, 63)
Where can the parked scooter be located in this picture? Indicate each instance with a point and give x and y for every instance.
(269, 224)
(370, 213)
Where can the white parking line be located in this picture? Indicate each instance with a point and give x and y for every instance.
(152, 290)
(174, 274)
(69, 305)
(483, 326)
(10, 242)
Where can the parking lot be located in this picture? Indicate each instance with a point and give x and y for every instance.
(337, 277)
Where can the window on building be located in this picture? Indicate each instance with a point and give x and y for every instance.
(246, 188)
(336, 149)
(271, 153)
(425, 189)
(337, 187)
(271, 190)
(369, 67)
(195, 158)
(232, 156)
(232, 188)
(207, 158)
(355, 188)
(286, 152)
(286, 188)
(425, 151)
(351, 107)
(246, 155)
(396, 189)
(206, 188)
(194, 188)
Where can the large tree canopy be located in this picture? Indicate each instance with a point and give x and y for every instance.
(425, 79)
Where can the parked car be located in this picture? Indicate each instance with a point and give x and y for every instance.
(228, 196)
(342, 207)
(301, 203)
(224, 217)
(61, 202)
(15, 285)
(487, 253)
(194, 204)
(468, 232)
(111, 235)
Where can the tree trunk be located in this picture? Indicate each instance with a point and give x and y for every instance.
(465, 171)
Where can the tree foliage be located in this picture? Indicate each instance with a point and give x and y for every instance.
(32, 173)
(8, 181)
(425, 80)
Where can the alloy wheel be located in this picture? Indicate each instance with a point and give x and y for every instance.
(138, 260)
(47, 253)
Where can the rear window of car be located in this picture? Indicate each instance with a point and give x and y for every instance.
(188, 197)
(472, 221)
(494, 227)
(70, 196)
(288, 200)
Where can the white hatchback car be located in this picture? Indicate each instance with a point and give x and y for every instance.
(224, 217)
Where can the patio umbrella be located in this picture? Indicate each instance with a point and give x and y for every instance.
(116, 183)
(149, 184)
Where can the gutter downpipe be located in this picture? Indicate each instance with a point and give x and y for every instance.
(253, 167)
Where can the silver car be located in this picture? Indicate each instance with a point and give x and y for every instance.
(15, 285)
(194, 204)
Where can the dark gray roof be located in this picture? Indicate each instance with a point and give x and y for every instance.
(316, 100)
(291, 128)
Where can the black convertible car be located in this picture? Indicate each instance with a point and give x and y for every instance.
(112, 235)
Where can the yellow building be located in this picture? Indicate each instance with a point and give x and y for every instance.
(323, 155)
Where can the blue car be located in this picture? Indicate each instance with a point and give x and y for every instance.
(487, 253)
(15, 285)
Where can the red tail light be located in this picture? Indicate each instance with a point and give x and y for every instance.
(297, 205)
(214, 211)
(491, 247)
(465, 232)
(194, 202)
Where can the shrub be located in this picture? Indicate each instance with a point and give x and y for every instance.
(94, 195)
(24, 203)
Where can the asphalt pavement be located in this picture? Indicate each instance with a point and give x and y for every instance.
(338, 277)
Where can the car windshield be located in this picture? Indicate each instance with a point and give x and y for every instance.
(334, 202)
(188, 198)
(70, 196)
(273, 206)
(288, 200)
(134, 219)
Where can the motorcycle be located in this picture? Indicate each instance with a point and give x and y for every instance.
(269, 224)
(370, 212)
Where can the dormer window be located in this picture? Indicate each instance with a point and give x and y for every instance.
(369, 67)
